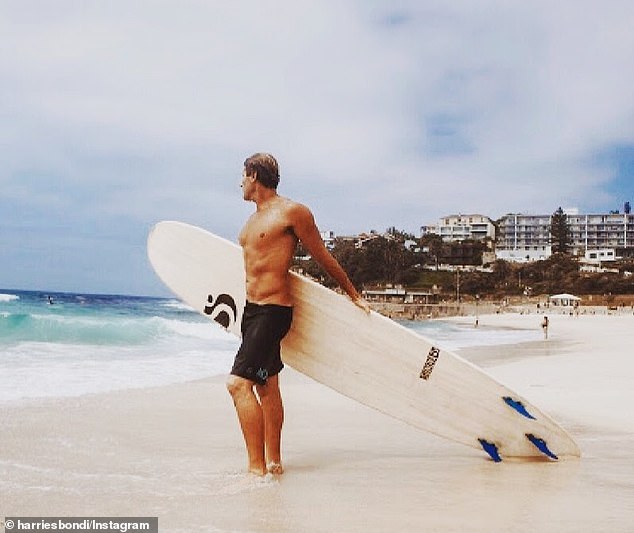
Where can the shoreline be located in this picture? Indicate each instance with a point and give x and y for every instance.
(422, 312)
(176, 452)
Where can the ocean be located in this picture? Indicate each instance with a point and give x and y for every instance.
(62, 344)
(84, 343)
(454, 336)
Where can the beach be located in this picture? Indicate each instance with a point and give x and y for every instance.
(175, 451)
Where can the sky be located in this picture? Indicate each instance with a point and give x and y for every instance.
(117, 114)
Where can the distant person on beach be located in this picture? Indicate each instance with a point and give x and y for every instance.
(545, 327)
(269, 239)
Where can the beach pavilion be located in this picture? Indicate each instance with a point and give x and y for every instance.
(564, 300)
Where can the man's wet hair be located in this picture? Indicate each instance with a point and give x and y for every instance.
(265, 168)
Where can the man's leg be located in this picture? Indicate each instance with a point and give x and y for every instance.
(273, 412)
(251, 421)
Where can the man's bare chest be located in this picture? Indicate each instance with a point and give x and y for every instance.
(265, 229)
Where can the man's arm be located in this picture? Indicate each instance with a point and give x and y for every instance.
(307, 232)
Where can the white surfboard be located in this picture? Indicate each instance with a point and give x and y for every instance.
(368, 358)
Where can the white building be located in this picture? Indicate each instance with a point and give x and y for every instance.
(523, 238)
(462, 228)
(597, 238)
(602, 233)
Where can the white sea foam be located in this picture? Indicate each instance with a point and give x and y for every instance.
(177, 304)
(8, 297)
(201, 330)
(44, 369)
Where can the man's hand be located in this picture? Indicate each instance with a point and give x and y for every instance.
(361, 303)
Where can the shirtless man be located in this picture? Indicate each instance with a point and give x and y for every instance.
(268, 240)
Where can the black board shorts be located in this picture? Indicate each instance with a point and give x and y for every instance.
(263, 328)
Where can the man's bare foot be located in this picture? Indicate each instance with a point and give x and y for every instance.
(260, 472)
(275, 468)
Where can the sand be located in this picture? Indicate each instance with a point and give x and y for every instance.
(176, 452)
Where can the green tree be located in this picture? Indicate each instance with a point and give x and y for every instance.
(384, 260)
(560, 238)
(434, 244)
(350, 259)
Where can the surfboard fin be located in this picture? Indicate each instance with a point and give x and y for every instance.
(491, 449)
(518, 406)
(541, 445)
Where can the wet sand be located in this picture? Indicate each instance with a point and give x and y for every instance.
(176, 452)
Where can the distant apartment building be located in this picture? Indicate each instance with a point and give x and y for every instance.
(522, 238)
(462, 228)
(603, 237)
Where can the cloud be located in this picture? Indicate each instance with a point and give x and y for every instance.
(379, 114)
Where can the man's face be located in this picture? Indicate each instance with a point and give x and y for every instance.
(248, 185)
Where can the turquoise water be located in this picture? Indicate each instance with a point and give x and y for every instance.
(61, 344)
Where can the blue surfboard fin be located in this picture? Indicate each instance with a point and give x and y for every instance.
(491, 449)
(541, 445)
(518, 406)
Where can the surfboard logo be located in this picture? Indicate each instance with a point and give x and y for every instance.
(430, 363)
(222, 309)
